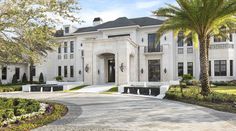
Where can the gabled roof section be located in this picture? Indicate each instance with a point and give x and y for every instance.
(147, 21)
(122, 22)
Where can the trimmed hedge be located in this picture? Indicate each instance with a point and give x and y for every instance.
(215, 100)
(16, 107)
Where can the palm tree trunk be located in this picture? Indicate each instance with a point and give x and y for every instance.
(204, 67)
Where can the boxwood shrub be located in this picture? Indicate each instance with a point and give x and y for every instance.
(16, 107)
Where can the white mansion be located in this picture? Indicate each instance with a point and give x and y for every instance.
(123, 51)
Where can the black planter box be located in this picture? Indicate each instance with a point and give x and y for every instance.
(46, 88)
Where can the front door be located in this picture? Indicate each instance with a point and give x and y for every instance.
(154, 70)
(111, 70)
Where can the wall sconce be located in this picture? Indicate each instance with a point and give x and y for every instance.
(87, 68)
(142, 40)
(165, 70)
(80, 72)
(98, 72)
(142, 70)
(122, 67)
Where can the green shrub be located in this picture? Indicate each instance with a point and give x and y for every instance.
(14, 79)
(9, 113)
(59, 78)
(24, 78)
(19, 112)
(9, 103)
(2, 112)
(187, 77)
(41, 78)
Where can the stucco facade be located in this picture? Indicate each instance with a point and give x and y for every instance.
(120, 53)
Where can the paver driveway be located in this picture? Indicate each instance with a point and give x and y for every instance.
(124, 112)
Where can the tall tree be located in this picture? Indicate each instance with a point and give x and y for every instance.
(202, 19)
(27, 26)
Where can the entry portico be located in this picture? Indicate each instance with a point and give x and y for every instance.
(110, 60)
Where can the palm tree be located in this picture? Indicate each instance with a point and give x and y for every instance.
(201, 19)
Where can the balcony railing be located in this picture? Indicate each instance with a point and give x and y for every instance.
(222, 46)
(152, 49)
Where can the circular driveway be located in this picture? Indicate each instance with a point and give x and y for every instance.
(101, 112)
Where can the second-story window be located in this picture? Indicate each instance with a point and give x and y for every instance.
(59, 49)
(152, 45)
(231, 37)
(65, 47)
(189, 41)
(72, 47)
(67, 30)
(180, 39)
(219, 39)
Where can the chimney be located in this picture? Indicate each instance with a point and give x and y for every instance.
(97, 21)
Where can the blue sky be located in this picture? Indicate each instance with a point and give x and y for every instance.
(112, 9)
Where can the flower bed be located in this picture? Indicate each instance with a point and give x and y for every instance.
(24, 114)
(14, 109)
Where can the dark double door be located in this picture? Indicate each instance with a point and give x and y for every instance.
(111, 70)
(154, 70)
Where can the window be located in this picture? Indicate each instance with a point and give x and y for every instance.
(65, 71)
(231, 68)
(59, 57)
(82, 53)
(4, 73)
(33, 70)
(220, 68)
(219, 39)
(180, 39)
(190, 68)
(72, 47)
(189, 42)
(67, 30)
(190, 50)
(152, 45)
(209, 68)
(59, 49)
(180, 69)
(59, 70)
(65, 56)
(154, 70)
(71, 71)
(65, 47)
(71, 56)
(180, 50)
(17, 73)
(231, 37)
(122, 35)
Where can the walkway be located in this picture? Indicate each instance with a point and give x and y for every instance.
(100, 112)
(96, 88)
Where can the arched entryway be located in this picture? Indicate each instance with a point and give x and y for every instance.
(106, 68)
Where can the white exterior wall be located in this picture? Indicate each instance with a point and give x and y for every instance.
(11, 72)
(130, 52)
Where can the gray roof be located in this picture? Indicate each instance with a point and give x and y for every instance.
(122, 22)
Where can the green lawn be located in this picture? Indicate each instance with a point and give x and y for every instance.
(222, 98)
(78, 87)
(10, 88)
(111, 91)
(225, 89)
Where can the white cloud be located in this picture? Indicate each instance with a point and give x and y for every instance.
(147, 4)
